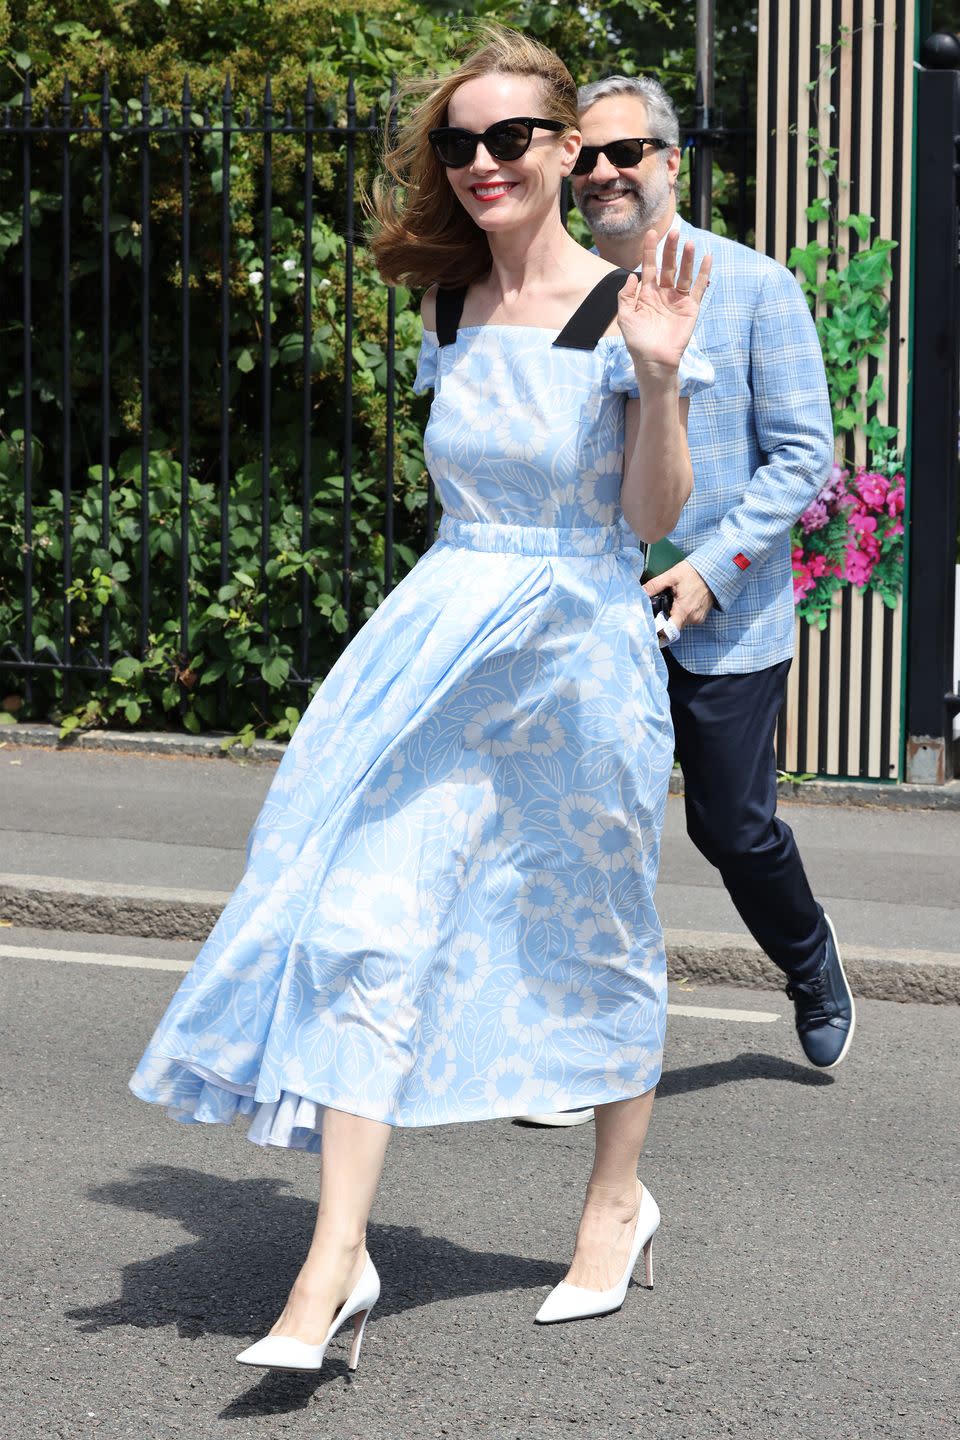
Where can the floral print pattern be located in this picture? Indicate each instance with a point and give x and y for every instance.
(447, 912)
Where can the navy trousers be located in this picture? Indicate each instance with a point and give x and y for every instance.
(724, 728)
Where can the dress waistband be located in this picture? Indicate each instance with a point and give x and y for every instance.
(529, 539)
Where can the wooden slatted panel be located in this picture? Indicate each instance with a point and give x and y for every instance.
(842, 714)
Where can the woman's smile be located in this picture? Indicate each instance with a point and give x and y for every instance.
(486, 190)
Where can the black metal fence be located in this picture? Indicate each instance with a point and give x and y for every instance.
(130, 145)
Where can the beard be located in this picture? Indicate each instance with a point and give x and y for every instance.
(641, 208)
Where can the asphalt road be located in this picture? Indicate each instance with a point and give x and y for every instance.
(807, 1273)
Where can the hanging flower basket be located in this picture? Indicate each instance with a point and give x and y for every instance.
(852, 534)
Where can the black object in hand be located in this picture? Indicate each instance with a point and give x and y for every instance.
(662, 603)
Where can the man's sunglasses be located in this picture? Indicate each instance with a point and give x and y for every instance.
(622, 154)
(506, 140)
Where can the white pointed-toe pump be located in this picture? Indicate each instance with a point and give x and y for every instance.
(573, 1302)
(282, 1352)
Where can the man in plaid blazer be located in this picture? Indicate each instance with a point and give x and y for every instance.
(761, 441)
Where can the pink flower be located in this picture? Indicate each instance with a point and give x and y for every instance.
(815, 516)
(895, 497)
(863, 523)
(872, 489)
(858, 567)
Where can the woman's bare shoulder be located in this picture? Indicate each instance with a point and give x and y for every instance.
(428, 308)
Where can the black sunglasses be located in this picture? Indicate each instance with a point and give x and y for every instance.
(506, 140)
(623, 154)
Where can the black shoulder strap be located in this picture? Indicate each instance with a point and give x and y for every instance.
(449, 310)
(590, 320)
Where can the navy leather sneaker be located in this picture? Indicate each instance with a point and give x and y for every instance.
(826, 1015)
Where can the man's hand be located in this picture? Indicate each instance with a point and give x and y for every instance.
(692, 597)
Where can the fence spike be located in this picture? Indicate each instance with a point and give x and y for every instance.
(206, 116)
(288, 117)
(145, 93)
(46, 117)
(246, 116)
(351, 96)
(186, 103)
(27, 99)
(268, 95)
(66, 101)
(105, 93)
(227, 101)
(310, 100)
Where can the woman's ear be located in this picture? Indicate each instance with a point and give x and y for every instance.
(569, 150)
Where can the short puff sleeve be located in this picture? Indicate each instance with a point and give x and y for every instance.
(427, 365)
(696, 372)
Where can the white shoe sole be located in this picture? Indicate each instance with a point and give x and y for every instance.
(825, 1069)
(557, 1118)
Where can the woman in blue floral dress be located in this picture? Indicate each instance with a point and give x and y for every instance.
(448, 909)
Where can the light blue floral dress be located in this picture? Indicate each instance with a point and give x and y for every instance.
(447, 912)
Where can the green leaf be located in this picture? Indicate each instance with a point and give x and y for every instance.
(126, 668)
(192, 722)
(860, 224)
(245, 361)
(132, 711)
(275, 671)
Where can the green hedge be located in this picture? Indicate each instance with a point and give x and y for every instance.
(229, 674)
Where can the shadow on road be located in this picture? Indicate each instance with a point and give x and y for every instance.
(233, 1278)
(251, 1237)
(746, 1066)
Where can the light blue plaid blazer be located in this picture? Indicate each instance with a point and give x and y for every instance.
(761, 441)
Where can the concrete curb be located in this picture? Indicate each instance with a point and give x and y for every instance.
(148, 742)
(926, 976)
(46, 903)
(209, 747)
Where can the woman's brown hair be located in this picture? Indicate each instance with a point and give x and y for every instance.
(421, 233)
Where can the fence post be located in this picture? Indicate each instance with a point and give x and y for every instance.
(701, 170)
(931, 701)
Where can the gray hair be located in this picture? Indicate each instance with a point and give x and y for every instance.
(660, 112)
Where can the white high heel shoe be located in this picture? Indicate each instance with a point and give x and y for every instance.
(282, 1352)
(572, 1302)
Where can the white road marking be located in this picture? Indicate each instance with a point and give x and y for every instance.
(91, 957)
(715, 1012)
(156, 962)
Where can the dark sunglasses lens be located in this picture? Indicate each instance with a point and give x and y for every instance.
(455, 148)
(507, 142)
(624, 153)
